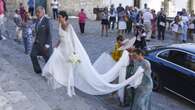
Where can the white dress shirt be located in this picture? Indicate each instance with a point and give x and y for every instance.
(147, 16)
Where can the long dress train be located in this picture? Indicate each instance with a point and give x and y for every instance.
(84, 76)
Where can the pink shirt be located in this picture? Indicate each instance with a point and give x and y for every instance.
(82, 17)
(1, 7)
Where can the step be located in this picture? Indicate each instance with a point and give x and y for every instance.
(15, 93)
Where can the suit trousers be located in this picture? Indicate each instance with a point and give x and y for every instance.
(161, 33)
(82, 27)
(55, 13)
(37, 50)
(31, 11)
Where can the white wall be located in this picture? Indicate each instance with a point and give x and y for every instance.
(179, 4)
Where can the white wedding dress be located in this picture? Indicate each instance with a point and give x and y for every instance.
(84, 76)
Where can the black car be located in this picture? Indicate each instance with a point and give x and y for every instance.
(173, 68)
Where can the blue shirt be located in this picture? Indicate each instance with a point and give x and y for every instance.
(31, 3)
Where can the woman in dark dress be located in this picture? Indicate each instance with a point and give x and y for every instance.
(105, 22)
(161, 23)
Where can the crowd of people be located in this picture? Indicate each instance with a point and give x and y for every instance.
(25, 23)
(183, 26)
(128, 18)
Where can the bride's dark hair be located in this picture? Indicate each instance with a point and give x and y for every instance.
(63, 14)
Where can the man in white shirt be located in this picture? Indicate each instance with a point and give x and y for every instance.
(55, 6)
(185, 21)
(147, 17)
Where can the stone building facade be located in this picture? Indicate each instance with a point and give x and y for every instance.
(74, 6)
(71, 6)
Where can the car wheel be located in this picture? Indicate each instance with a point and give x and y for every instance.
(156, 82)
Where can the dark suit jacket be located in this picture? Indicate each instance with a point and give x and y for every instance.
(161, 18)
(43, 36)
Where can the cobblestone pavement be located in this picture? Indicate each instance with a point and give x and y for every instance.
(22, 89)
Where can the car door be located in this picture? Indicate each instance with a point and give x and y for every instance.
(182, 77)
(165, 68)
(190, 76)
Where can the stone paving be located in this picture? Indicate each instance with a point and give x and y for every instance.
(16, 94)
(22, 89)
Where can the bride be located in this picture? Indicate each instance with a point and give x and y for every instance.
(62, 72)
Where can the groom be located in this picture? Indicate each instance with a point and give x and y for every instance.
(43, 42)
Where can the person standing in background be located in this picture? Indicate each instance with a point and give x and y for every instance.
(55, 6)
(191, 29)
(82, 19)
(139, 17)
(22, 12)
(140, 42)
(122, 26)
(129, 13)
(112, 19)
(1, 18)
(147, 17)
(105, 22)
(177, 28)
(5, 7)
(31, 7)
(161, 23)
(27, 34)
(185, 21)
(18, 22)
(154, 22)
(119, 9)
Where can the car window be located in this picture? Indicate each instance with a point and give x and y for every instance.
(177, 57)
(180, 58)
(164, 55)
(190, 62)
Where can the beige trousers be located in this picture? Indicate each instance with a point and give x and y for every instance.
(148, 28)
